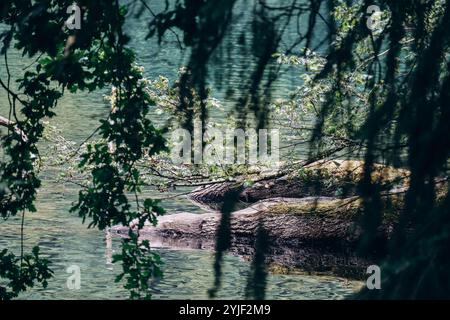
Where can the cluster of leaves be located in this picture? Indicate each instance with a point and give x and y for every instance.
(22, 272)
(128, 135)
(19, 146)
(304, 104)
(140, 264)
(156, 169)
(87, 59)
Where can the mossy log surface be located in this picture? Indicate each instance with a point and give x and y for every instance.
(336, 178)
(293, 221)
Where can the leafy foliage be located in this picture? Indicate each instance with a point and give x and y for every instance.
(22, 272)
(140, 265)
(88, 60)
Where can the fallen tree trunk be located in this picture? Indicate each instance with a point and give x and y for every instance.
(294, 221)
(286, 221)
(336, 178)
(313, 234)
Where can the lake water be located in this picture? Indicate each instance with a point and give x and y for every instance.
(65, 241)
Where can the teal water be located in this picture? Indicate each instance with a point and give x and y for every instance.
(65, 241)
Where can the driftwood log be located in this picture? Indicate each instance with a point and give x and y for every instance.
(336, 178)
(311, 234)
(325, 221)
(309, 217)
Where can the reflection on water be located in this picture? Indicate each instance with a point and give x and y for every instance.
(188, 274)
(65, 241)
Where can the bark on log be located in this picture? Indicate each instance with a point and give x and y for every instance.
(295, 221)
(321, 178)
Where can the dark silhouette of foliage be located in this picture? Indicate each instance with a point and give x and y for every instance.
(223, 236)
(256, 283)
(77, 60)
(408, 110)
(22, 272)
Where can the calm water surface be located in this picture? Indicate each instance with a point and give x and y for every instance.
(65, 241)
